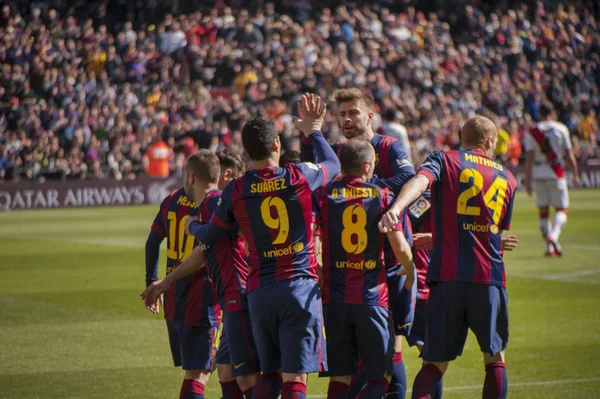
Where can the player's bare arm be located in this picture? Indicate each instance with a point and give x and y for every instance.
(528, 172)
(403, 253)
(572, 163)
(154, 291)
(410, 192)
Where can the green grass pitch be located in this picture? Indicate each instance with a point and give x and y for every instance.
(72, 324)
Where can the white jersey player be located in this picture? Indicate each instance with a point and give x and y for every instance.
(548, 149)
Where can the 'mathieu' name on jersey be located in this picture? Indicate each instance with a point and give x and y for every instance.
(472, 200)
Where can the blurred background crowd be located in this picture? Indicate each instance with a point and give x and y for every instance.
(123, 88)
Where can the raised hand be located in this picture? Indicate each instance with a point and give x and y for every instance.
(312, 114)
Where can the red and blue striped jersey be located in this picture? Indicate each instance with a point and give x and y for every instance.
(472, 201)
(392, 170)
(419, 213)
(274, 209)
(226, 261)
(190, 300)
(353, 247)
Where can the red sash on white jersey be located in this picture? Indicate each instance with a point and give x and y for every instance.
(552, 158)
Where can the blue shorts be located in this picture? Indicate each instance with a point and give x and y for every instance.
(287, 324)
(193, 348)
(453, 308)
(402, 303)
(358, 332)
(237, 344)
(417, 331)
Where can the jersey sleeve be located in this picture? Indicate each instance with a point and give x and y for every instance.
(567, 137)
(401, 168)
(529, 143)
(510, 196)
(223, 213)
(158, 225)
(432, 167)
(315, 174)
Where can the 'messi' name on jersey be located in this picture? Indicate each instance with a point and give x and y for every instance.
(268, 186)
(184, 201)
(355, 192)
(483, 161)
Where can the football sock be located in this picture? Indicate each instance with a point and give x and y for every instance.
(268, 386)
(337, 390)
(231, 390)
(375, 389)
(191, 389)
(559, 222)
(425, 382)
(438, 390)
(397, 389)
(293, 390)
(545, 227)
(359, 381)
(496, 383)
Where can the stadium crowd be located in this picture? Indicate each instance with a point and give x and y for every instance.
(85, 89)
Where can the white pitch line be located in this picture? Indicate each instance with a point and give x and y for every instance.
(513, 384)
(577, 273)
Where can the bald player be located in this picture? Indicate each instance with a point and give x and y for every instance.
(472, 198)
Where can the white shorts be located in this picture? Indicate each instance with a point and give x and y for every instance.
(553, 193)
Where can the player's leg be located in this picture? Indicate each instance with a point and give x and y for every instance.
(229, 386)
(198, 352)
(445, 334)
(402, 302)
(301, 333)
(244, 357)
(262, 305)
(560, 201)
(487, 316)
(375, 340)
(542, 201)
(341, 349)
(416, 337)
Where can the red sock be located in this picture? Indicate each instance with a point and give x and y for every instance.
(191, 389)
(293, 390)
(496, 383)
(397, 357)
(268, 386)
(231, 390)
(426, 381)
(337, 390)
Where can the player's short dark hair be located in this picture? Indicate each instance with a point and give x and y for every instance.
(231, 159)
(354, 94)
(353, 154)
(258, 136)
(546, 109)
(204, 164)
(289, 156)
(477, 130)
